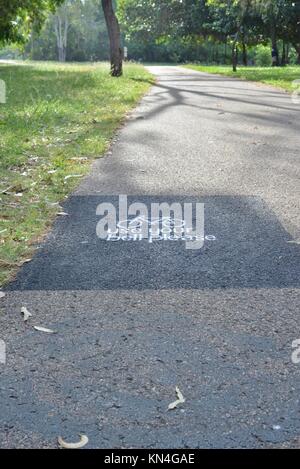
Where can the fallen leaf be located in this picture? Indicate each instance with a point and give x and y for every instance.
(73, 176)
(2, 294)
(82, 442)
(180, 399)
(43, 329)
(25, 261)
(52, 204)
(26, 313)
(179, 395)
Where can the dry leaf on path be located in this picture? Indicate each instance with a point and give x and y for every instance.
(43, 329)
(25, 261)
(178, 401)
(82, 442)
(26, 313)
(294, 241)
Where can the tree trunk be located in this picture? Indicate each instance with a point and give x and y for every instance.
(234, 57)
(234, 51)
(61, 31)
(225, 51)
(288, 53)
(32, 47)
(297, 47)
(283, 55)
(245, 55)
(275, 54)
(113, 28)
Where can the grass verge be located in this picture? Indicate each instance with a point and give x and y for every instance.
(281, 77)
(56, 120)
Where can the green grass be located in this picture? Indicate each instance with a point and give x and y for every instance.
(57, 119)
(281, 77)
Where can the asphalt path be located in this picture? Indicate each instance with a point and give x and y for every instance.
(134, 319)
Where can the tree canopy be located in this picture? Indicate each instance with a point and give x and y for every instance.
(18, 16)
(235, 22)
(217, 31)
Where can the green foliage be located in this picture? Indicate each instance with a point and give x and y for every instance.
(262, 56)
(164, 30)
(11, 52)
(87, 38)
(237, 23)
(18, 16)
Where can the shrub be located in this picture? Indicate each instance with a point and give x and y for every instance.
(262, 56)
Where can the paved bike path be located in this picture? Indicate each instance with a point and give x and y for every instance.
(135, 319)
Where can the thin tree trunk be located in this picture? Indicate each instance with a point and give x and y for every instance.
(275, 54)
(32, 46)
(65, 39)
(61, 31)
(297, 47)
(245, 55)
(234, 56)
(113, 28)
(288, 53)
(225, 51)
(234, 51)
(283, 56)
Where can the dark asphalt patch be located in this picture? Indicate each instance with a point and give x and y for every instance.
(251, 250)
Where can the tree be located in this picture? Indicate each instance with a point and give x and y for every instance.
(229, 19)
(18, 17)
(61, 27)
(113, 28)
(270, 12)
(290, 24)
(149, 26)
(231, 22)
(86, 40)
(281, 20)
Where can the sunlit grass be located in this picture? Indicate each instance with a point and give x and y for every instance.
(57, 119)
(281, 77)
